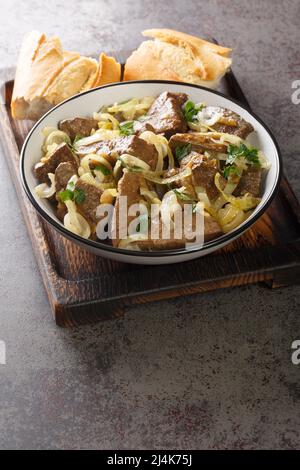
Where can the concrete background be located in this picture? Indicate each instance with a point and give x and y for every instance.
(208, 371)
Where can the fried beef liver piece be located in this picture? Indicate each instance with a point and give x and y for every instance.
(63, 173)
(129, 144)
(165, 115)
(250, 182)
(78, 126)
(61, 154)
(88, 207)
(129, 186)
(203, 174)
(232, 123)
(198, 142)
(61, 210)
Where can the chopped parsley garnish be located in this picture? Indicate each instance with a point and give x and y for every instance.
(249, 153)
(182, 151)
(66, 195)
(77, 195)
(231, 172)
(104, 170)
(184, 197)
(190, 110)
(133, 168)
(71, 185)
(127, 128)
(77, 137)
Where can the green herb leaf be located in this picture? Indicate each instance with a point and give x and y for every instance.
(77, 137)
(104, 170)
(231, 172)
(79, 196)
(71, 185)
(66, 195)
(184, 197)
(190, 110)
(249, 153)
(182, 151)
(133, 168)
(127, 128)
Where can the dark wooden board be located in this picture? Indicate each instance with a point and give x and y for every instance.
(83, 288)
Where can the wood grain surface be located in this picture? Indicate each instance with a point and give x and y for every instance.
(83, 288)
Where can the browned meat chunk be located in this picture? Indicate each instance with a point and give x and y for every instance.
(232, 123)
(198, 142)
(116, 147)
(250, 182)
(212, 229)
(203, 173)
(137, 147)
(165, 115)
(129, 186)
(62, 153)
(61, 210)
(63, 173)
(78, 126)
(88, 207)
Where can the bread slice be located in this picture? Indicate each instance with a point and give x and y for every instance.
(173, 55)
(47, 75)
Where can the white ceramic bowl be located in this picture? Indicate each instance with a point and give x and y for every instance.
(86, 103)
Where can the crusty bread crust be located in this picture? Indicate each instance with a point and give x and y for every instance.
(47, 75)
(109, 70)
(173, 55)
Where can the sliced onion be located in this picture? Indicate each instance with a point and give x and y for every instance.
(108, 196)
(44, 191)
(230, 217)
(93, 157)
(160, 143)
(47, 130)
(56, 137)
(101, 134)
(243, 203)
(89, 179)
(118, 170)
(169, 206)
(264, 162)
(209, 115)
(150, 196)
(75, 222)
(155, 178)
(132, 161)
(106, 117)
(132, 107)
(129, 242)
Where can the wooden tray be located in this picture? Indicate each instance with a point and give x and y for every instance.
(83, 288)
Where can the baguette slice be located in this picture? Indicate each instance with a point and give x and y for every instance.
(47, 75)
(173, 55)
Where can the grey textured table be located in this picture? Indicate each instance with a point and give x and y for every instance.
(209, 371)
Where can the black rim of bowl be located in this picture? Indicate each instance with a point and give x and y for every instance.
(223, 239)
